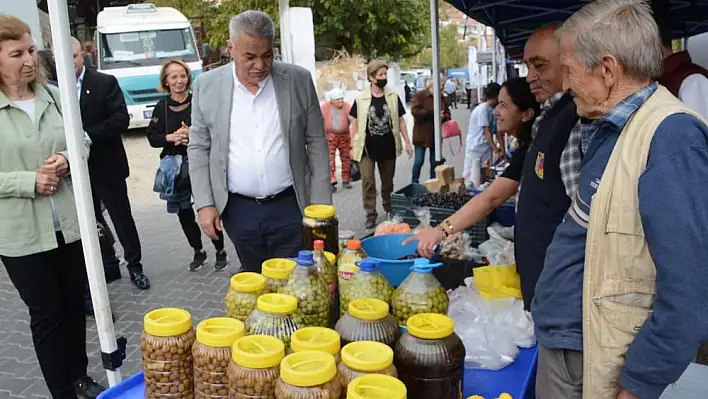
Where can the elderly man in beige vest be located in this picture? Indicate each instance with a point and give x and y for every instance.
(619, 307)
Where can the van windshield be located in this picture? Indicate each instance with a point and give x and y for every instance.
(146, 48)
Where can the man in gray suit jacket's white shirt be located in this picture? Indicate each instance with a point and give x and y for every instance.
(257, 148)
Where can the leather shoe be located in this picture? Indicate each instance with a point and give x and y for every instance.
(140, 280)
(87, 388)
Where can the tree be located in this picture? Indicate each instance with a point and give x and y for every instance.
(453, 53)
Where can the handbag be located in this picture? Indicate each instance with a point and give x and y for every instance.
(451, 129)
(354, 171)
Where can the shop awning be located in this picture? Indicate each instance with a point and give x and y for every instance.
(515, 20)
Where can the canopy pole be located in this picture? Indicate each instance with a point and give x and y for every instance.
(436, 79)
(286, 49)
(495, 73)
(61, 38)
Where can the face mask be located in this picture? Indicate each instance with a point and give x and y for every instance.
(381, 83)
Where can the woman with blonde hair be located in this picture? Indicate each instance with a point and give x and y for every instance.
(40, 244)
(169, 130)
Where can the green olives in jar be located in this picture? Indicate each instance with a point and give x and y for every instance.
(313, 300)
(276, 272)
(273, 317)
(241, 299)
(419, 293)
(368, 282)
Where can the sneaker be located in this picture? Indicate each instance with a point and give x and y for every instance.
(370, 222)
(347, 185)
(140, 280)
(199, 260)
(87, 388)
(222, 261)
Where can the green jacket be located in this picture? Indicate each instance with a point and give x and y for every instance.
(362, 103)
(27, 226)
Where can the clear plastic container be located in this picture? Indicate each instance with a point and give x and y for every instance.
(344, 237)
(351, 254)
(368, 282)
(419, 293)
(308, 375)
(166, 346)
(306, 284)
(430, 358)
(326, 267)
(318, 339)
(241, 299)
(255, 367)
(345, 273)
(364, 357)
(376, 386)
(276, 272)
(320, 223)
(368, 320)
(212, 353)
(274, 316)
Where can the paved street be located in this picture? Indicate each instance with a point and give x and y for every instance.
(165, 257)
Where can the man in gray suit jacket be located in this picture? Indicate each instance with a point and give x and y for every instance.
(257, 148)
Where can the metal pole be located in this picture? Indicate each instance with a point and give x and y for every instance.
(480, 79)
(59, 18)
(436, 78)
(495, 74)
(286, 49)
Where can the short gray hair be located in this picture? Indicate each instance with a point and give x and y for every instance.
(76, 42)
(252, 23)
(623, 28)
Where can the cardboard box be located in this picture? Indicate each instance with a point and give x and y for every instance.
(458, 186)
(445, 173)
(436, 186)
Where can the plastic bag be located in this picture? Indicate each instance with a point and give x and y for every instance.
(492, 330)
(393, 226)
(455, 246)
(497, 250)
(423, 215)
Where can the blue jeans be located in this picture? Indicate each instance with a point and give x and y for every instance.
(420, 159)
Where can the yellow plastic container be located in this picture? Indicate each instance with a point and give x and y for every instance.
(255, 367)
(273, 316)
(244, 291)
(308, 374)
(317, 339)
(212, 353)
(368, 320)
(497, 282)
(376, 386)
(166, 346)
(362, 358)
(276, 271)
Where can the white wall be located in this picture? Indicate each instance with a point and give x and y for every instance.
(26, 10)
(302, 32)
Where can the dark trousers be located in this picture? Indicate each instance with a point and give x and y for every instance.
(191, 230)
(114, 195)
(387, 169)
(51, 284)
(418, 161)
(261, 230)
(560, 374)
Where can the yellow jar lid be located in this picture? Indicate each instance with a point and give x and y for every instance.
(220, 332)
(367, 356)
(368, 309)
(278, 268)
(320, 212)
(167, 322)
(430, 326)
(316, 339)
(248, 282)
(308, 368)
(258, 351)
(331, 258)
(376, 386)
(277, 303)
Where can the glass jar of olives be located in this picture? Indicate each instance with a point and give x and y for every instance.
(368, 320)
(376, 386)
(317, 339)
(368, 282)
(166, 346)
(320, 223)
(430, 358)
(306, 284)
(364, 357)
(211, 353)
(276, 272)
(273, 316)
(420, 292)
(241, 299)
(308, 375)
(255, 367)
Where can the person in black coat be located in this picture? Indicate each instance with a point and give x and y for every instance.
(105, 117)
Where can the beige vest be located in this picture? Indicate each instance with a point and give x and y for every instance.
(619, 276)
(363, 102)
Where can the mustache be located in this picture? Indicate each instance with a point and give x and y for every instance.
(534, 86)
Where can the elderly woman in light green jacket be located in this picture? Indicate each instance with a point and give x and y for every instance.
(39, 234)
